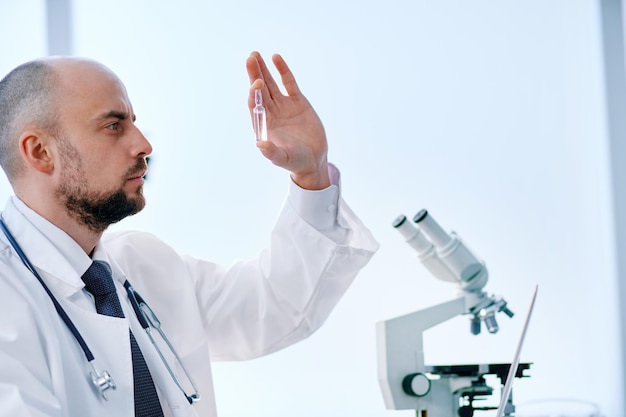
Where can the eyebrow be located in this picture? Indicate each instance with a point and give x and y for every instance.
(115, 114)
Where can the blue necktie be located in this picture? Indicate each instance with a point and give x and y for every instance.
(99, 282)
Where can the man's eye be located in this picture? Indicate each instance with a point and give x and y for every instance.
(113, 126)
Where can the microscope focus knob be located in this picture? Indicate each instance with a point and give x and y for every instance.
(417, 385)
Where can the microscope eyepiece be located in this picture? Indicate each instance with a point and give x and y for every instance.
(399, 221)
(421, 215)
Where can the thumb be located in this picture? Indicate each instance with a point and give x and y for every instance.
(272, 152)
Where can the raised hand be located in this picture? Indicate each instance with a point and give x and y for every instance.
(296, 137)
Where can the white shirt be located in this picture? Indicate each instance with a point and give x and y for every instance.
(209, 312)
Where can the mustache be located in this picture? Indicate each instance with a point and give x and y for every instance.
(138, 168)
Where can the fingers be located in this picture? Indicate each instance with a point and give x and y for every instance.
(265, 73)
(258, 69)
(286, 76)
(253, 68)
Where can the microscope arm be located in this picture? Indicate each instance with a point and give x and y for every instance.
(401, 348)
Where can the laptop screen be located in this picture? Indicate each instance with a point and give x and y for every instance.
(508, 385)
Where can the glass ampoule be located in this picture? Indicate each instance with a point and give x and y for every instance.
(259, 118)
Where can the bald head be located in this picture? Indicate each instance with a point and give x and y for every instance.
(29, 99)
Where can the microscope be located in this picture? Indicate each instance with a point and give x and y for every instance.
(406, 382)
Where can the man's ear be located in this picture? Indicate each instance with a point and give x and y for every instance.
(36, 150)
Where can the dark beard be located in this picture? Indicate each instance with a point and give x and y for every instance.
(94, 210)
(98, 213)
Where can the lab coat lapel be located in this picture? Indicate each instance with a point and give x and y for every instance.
(103, 335)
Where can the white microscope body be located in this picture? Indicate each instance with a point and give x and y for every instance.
(406, 382)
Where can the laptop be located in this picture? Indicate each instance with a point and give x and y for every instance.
(508, 385)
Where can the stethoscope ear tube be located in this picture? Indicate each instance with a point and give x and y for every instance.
(148, 320)
(135, 299)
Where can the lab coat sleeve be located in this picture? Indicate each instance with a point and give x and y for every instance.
(262, 305)
(257, 306)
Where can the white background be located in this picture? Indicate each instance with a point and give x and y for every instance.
(490, 114)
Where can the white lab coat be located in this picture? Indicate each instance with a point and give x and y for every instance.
(208, 311)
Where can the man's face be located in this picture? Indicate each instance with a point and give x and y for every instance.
(102, 154)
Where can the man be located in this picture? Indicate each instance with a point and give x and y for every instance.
(76, 161)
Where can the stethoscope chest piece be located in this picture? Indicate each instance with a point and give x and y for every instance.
(102, 382)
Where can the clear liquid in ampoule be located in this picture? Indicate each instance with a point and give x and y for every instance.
(259, 118)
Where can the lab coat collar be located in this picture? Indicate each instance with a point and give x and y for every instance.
(49, 249)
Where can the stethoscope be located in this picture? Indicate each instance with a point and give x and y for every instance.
(102, 380)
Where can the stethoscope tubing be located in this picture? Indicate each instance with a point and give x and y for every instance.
(103, 380)
(66, 319)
